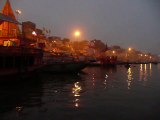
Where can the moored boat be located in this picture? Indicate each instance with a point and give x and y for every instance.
(64, 67)
(62, 64)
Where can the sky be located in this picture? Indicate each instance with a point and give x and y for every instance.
(127, 23)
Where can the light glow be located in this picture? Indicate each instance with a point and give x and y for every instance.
(34, 33)
(77, 33)
(18, 11)
(129, 49)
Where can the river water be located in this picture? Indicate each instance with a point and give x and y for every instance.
(97, 93)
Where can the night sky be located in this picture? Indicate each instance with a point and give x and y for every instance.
(128, 23)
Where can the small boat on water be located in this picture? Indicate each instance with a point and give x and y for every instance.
(109, 61)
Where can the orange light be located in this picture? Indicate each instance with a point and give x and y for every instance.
(129, 49)
(77, 33)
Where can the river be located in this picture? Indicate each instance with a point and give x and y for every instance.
(97, 93)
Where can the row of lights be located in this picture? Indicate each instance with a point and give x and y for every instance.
(129, 49)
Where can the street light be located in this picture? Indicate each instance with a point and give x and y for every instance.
(34, 33)
(77, 33)
(129, 49)
(35, 37)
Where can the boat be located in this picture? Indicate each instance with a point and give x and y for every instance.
(62, 64)
(64, 67)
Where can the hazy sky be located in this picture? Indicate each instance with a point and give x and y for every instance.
(128, 23)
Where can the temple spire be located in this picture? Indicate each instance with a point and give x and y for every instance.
(7, 10)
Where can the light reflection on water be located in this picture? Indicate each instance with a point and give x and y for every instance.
(145, 72)
(129, 77)
(76, 92)
(96, 93)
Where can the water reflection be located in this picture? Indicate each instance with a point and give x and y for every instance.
(145, 72)
(129, 74)
(93, 80)
(150, 69)
(105, 81)
(76, 92)
(99, 90)
(100, 75)
(34, 91)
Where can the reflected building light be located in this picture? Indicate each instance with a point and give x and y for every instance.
(106, 76)
(141, 72)
(105, 82)
(76, 92)
(76, 103)
(145, 72)
(150, 69)
(19, 109)
(141, 67)
(145, 67)
(150, 66)
(129, 78)
(93, 80)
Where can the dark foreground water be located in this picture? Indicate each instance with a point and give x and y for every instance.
(96, 94)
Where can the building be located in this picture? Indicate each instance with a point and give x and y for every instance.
(9, 29)
(27, 30)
